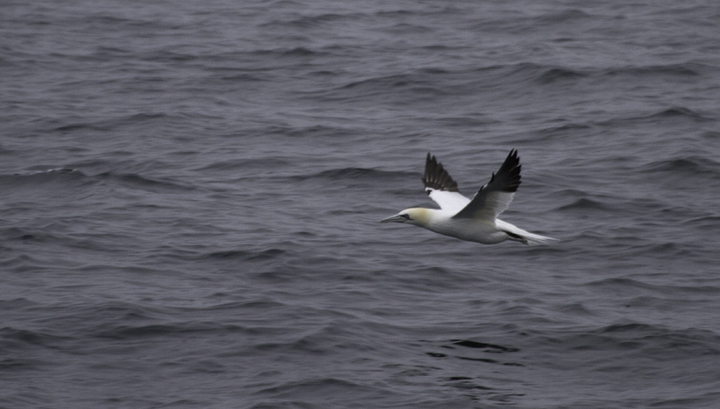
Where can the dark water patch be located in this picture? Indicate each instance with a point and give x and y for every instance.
(317, 21)
(669, 114)
(106, 125)
(320, 390)
(420, 80)
(682, 70)
(679, 112)
(481, 345)
(694, 402)
(639, 340)
(106, 21)
(619, 284)
(20, 364)
(23, 263)
(635, 328)
(463, 122)
(686, 166)
(585, 204)
(473, 359)
(347, 175)
(284, 55)
(477, 392)
(528, 74)
(408, 88)
(262, 165)
(666, 249)
(531, 22)
(485, 360)
(35, 247)
(227, 254)
(665, 343)
(570, 130)
(12, 304)
(269, 254)
(15, 233)
(559, 74)
(170, 56)
(353, 173)
(105, 53)
(385, 83)
(472, 388)
(18, 338)
(468, 350)
(703, 221)
(259, 304)
(137, 181)
(624, 285)
(575, 308)
(245, 77)
(570, 193)
(564, 16)
(671, 173)
(322, 131)
(128, 332)
(77, 126)
(299, 52)
(656, 303)
(408, 29)
(315, 344)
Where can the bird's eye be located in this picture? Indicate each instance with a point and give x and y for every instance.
(406, 216)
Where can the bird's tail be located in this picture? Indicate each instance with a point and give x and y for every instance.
(517, 234)
(533, 239)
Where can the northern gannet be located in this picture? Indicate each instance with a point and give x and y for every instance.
(471, 220)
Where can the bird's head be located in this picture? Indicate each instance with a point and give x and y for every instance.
(416, 216)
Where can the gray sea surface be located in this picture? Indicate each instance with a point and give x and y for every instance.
(190, 195)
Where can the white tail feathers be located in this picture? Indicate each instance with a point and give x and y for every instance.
(517, 234)
(533, 239)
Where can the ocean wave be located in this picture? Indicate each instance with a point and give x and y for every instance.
(476, 351)
(138, 181)
(347, 175)
(51, 172)
(246, 255)
(683, 167)
(681, 70)
(626, 284)
(549, 76)
(308, 21)
(17, 338)
(585, 204)
(106, 125)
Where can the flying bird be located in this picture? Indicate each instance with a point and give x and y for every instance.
(466, 219)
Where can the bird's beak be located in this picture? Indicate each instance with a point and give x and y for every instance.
(397, 219)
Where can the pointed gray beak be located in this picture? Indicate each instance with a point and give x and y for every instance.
(397, 219)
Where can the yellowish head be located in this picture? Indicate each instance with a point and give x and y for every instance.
(417, 216)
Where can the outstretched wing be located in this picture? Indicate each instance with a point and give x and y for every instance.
(441, 187)
(493, 198)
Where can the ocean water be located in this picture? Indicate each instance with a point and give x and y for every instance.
(191, 191)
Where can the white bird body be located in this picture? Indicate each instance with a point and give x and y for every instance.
(471, 220)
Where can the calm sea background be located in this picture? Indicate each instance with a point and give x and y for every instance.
(190, 195)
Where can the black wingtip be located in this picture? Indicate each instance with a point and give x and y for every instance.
(436, 177)
(509, 172)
